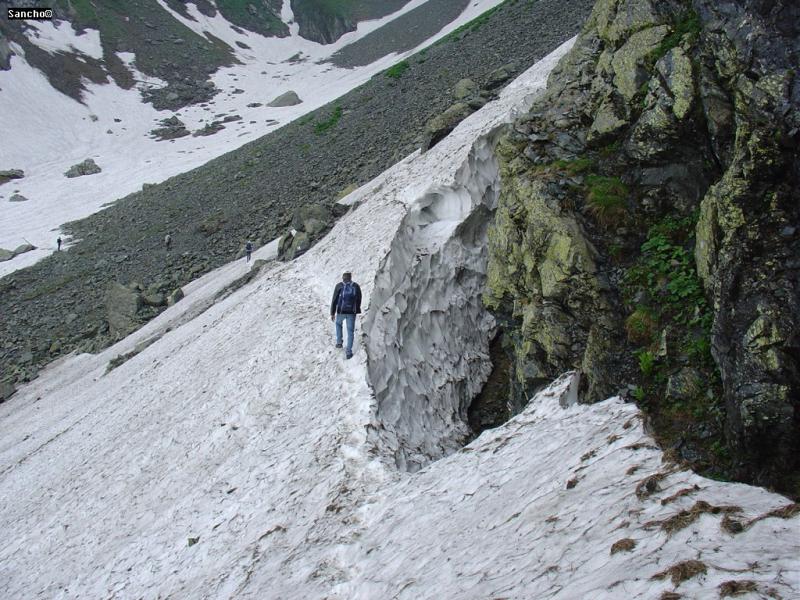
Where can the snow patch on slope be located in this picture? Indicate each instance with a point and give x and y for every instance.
(59, 36)
(46, 132)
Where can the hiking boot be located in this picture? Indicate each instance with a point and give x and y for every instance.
(338, 345)
(348, 355)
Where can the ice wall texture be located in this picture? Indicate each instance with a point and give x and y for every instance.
(427, 331)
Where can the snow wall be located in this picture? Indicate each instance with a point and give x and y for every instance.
(427, 332)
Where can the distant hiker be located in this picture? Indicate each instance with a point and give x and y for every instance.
(248, 249)
(58, 242)
(345, 305)
(168, 241)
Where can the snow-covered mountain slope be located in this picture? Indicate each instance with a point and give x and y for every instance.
(239, 455)
(44, 132)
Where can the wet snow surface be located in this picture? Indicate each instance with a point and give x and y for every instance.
(45, 132)
(236, 457)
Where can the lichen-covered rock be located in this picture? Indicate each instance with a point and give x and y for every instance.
(171, 128)
(22, 248)
(175, 296)
(608, 120)
(684, 385)
(656, 131)
(314, 226)
(300, 243)
(439, 126)
(676, 69)
(499, 76)
(628, 63)
(696, 113)
(312, 211)
(87, 167)
(122, 305)
(154, 299)
(11, 174)
(543, 269)
(465, 88)
(616, 21)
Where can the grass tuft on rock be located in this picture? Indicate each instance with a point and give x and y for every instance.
(641, 326)
(606, 198)
(689, 24)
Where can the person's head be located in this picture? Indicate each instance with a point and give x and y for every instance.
(347, 276)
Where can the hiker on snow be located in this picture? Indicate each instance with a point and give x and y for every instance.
(345, 305)
(58, 241)
(248, 249)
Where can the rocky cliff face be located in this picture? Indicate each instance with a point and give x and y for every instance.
(325, 21)
(646, 232)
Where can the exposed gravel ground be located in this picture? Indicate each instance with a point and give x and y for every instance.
(58, 304)
(402, 34)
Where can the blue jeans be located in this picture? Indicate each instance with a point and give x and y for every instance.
(351, 327)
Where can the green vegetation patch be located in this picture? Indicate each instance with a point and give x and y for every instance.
(689, 23)
(321, 127)
(396, 71)
(607, 198)
(680, 386)
(254, 16)
(472, 25)
(574, 167)
(641, 326)
(667, 273)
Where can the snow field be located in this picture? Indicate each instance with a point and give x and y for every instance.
(237, 456)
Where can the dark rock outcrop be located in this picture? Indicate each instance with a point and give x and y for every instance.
(171, 128)
(21, 249)
(646, 232)
(326, 22)
(87, 167)
(10, 174)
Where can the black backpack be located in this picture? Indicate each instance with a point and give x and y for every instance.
(347, 298)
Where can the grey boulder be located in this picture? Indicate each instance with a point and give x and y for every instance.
(290, 98)
(87, 167)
